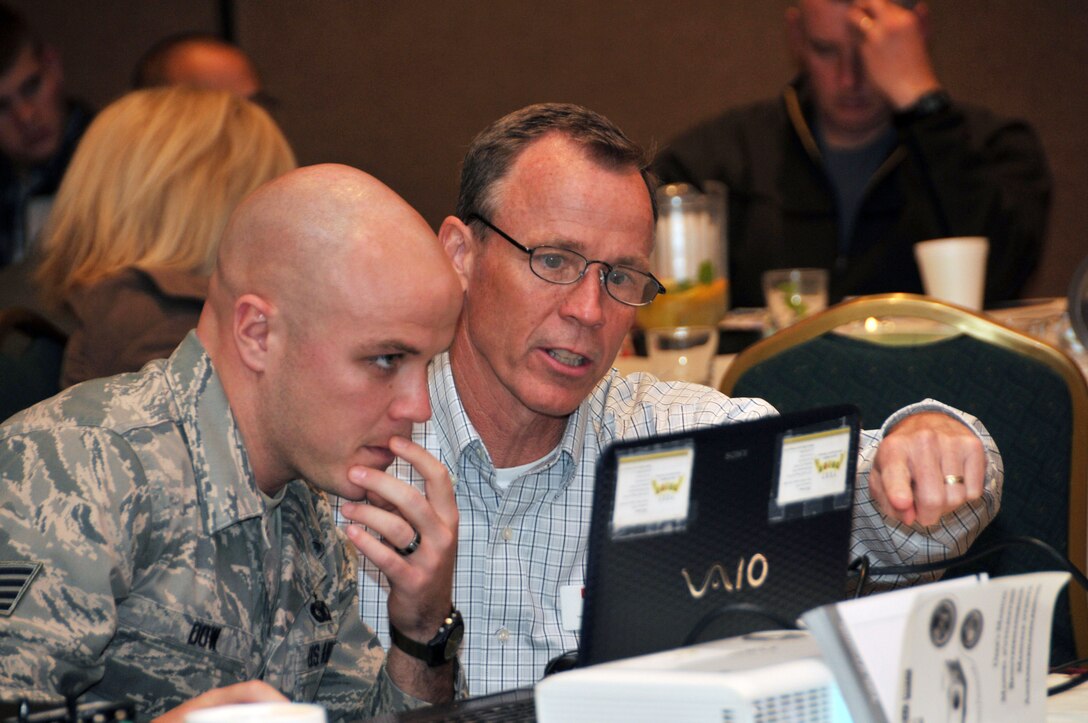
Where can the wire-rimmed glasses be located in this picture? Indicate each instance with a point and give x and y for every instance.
(563, 266)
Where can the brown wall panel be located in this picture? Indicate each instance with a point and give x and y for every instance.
(400, 87)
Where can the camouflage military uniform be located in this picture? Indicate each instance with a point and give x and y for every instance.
(161, 577)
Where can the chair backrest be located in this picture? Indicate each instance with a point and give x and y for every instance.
(1031, 397)
(31, 349)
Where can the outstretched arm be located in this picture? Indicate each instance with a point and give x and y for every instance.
(906, 511)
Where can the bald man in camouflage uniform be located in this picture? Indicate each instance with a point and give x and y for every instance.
(164, 535)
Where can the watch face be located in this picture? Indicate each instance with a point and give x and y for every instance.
(453, 643)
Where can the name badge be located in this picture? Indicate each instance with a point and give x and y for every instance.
(570, 607)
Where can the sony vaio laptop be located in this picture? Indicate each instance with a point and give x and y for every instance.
(718, 532)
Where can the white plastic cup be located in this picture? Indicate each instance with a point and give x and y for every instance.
(259, 713)
(954, 269)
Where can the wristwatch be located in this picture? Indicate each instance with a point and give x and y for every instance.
(928, 104)
(441, 649)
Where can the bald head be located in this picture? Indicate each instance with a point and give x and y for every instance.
(320, 238)
(199, 61)
(329, 298)
(316, 228)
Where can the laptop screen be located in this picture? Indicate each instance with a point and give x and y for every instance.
(718, 532)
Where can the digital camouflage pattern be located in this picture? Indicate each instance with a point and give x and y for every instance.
(161, 574)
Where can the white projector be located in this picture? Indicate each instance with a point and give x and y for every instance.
(759, 678)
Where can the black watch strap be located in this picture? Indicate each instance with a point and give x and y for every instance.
(440, 649)
(929, 104)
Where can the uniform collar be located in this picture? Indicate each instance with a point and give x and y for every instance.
(226, 489)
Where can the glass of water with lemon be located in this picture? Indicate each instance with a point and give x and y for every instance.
(793, 294)
(689, 257)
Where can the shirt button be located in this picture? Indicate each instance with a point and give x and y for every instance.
(507, 534)
(503, 636)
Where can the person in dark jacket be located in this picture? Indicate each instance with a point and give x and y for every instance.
(39, 130)
(864, 155)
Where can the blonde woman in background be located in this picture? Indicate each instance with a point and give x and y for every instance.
(133, 233)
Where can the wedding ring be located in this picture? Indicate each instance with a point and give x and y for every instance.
(953, 479)
(411, 546)
(866, 22)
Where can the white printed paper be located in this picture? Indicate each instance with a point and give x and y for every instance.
(980, 654)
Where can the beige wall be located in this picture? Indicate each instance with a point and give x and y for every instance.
(399, 87)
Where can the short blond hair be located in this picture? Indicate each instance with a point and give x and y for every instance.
(152, 183)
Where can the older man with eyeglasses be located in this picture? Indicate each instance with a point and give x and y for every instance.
(526, 397)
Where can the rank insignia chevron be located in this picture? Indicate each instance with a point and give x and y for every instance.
(15, 578)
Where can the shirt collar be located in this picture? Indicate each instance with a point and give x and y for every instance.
(226, 489)
(457, 436)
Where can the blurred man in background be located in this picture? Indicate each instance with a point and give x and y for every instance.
(864, 155)
(39, 130)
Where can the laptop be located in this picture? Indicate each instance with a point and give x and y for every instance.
(706, 534)
(718, 532)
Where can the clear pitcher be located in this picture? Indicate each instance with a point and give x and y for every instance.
(689, 257)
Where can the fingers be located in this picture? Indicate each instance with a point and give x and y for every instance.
(926, 467)
(890, 485)
(861, 21)
(396, 523)
(421, 582)
(892, 45)
(876, 11)
(437, 482)
(252, 691)
(381, 551)
(397, 511)
(388, 524)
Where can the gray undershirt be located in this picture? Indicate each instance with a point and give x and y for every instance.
(850, 171)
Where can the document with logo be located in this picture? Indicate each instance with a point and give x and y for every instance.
(653, 490)
(813, 465)
(963, 649)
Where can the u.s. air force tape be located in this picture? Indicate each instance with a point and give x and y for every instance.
(15, 579)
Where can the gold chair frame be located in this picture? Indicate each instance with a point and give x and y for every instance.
(985, 329)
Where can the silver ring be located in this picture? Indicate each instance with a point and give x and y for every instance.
(414, 545)
(953, 479)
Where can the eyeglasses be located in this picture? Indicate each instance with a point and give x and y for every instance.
(563, 266)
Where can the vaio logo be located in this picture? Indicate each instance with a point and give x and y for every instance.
(753, 572)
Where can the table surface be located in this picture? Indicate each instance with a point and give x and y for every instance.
(1043, 319)
(1070, 706)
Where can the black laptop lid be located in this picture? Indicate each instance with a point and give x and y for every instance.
(689, 529)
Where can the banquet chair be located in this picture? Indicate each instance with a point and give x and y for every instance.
(884, 352)
(31, 348)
